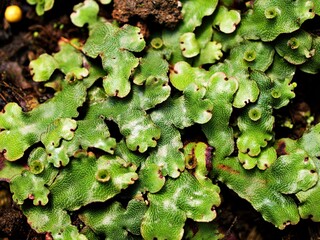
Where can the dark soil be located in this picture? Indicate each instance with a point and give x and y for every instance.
(161, 12)
(13, 224)
(24, 41)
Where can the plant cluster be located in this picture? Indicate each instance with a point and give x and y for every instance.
(221, 70)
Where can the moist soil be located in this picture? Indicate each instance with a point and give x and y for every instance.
(24, 41)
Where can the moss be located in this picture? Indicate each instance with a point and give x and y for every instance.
(220, 72)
